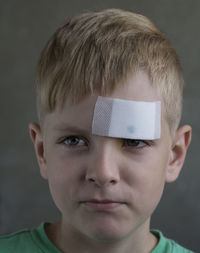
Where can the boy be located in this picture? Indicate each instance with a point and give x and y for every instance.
(109, 95)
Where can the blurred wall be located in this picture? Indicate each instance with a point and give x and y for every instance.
(24, 29)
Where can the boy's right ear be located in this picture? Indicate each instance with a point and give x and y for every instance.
(37, 139)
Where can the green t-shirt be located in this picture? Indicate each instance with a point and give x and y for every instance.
(36, 241)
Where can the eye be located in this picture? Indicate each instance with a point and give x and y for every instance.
(74, 141)
(135, 143)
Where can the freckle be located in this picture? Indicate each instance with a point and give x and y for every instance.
(130, 129)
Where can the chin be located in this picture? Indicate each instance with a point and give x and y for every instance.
(108, 233)
(108, 237)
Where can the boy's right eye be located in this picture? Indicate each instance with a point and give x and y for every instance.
(74, 141)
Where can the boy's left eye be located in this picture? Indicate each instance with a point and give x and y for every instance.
(135, 143)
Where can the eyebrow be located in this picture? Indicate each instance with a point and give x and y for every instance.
(72, 129)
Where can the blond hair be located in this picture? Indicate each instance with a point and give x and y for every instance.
(97, 50)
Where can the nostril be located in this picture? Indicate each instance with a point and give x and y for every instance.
(113, 182)
(91, 180)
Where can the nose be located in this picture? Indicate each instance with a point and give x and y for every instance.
(103, 168)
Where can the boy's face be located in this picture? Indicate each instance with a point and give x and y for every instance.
(106, 188)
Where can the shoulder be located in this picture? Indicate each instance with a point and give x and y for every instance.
(19, 242)
(26, 241)
(15, 242)
(166, 245)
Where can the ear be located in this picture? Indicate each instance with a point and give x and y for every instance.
(37, 139)
(179, 148)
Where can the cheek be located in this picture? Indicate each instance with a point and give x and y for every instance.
(63, 169)
(146, 179)
(64, 178)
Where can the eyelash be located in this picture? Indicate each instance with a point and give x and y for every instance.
(143, 142)
(80, 138)
(125, 141)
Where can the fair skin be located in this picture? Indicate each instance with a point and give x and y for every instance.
(106, 188)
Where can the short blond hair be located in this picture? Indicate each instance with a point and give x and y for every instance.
(95, 51)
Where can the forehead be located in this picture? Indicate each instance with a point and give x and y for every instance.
(137, 87)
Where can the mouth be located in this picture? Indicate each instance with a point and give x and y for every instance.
(102, 205)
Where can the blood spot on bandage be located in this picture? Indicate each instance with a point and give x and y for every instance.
(130, 129)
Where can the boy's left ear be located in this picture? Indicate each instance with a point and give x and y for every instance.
(179, 148)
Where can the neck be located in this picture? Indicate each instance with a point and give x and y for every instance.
(65, 239)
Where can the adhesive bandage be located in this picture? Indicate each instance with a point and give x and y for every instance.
(127, 119)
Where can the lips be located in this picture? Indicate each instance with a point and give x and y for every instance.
(102, 205)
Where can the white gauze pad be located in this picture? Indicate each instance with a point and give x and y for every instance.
(127, 119)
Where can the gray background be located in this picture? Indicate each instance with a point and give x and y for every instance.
(25, 27)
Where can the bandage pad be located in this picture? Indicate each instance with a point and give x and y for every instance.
(127, 119)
